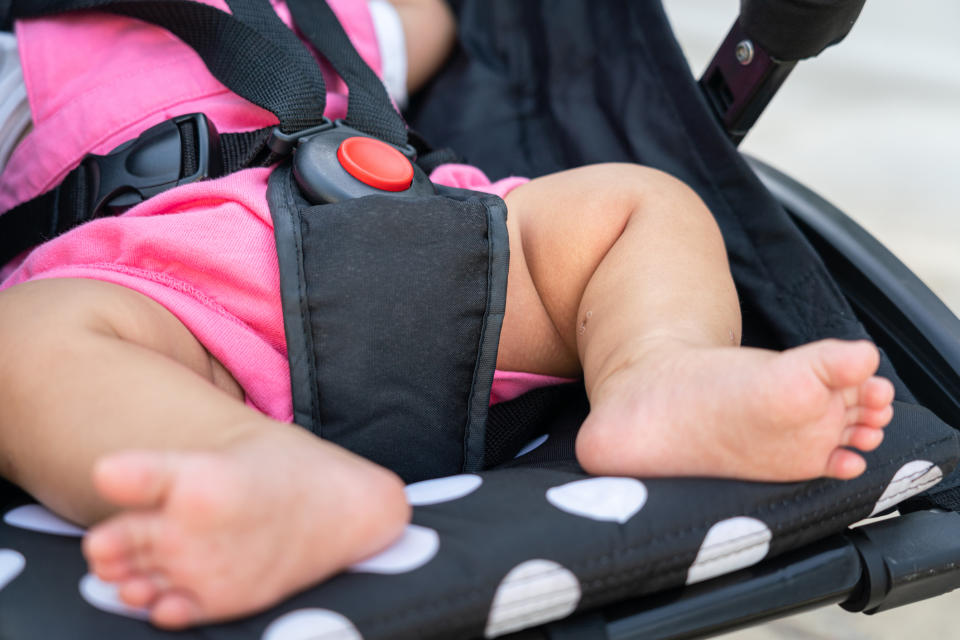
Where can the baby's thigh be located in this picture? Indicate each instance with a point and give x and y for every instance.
(40, 317)
(529, 339)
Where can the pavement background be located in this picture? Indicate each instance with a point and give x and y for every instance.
(872, 125)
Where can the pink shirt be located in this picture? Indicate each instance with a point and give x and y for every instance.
(204, 251)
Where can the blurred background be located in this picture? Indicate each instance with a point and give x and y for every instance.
(873, 126)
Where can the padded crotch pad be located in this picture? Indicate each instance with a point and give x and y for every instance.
(392, 312)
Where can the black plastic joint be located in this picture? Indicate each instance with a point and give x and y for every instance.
(906, 559)
(741, 80)
(283, 144)
(322, 178)
(175, 152)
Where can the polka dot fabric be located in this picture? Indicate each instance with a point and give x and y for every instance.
(494, 552)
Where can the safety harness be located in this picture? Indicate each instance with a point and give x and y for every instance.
(393, 288)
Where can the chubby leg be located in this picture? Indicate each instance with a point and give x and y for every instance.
(204, 490)
(623, 269)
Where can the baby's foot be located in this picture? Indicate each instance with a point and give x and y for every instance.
(213, 535)
(739, 412)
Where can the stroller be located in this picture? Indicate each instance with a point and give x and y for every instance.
(570, 83)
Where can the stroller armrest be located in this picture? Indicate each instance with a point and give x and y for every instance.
(791, 30)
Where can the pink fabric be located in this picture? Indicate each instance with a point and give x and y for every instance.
(204, 251)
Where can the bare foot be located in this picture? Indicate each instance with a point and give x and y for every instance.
(209, 536)
(739, 412)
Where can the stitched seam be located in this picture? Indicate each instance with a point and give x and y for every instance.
(160, 278)
(891, 500)
(908, 491)
(541, 575)
(296, 227)
(470, 427)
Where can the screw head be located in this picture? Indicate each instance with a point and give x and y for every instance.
(744, 52)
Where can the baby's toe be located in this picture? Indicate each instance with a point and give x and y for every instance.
(123, 544)
(105, 544)
(862, 438)
(843, 464)
(175, 610)
(112, 570)
(876, 392)
(868, 417)
(841, 364)
(140, 590)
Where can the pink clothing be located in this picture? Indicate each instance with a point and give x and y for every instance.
(204, 251)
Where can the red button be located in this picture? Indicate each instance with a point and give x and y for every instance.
(375, 163)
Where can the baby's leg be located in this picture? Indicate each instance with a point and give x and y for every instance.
(212, 490)
(429, 33)
(623, 269)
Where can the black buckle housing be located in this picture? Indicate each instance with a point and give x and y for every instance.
(178, 151)
(321, 177)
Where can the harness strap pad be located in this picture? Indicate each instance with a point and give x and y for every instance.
(392, 311)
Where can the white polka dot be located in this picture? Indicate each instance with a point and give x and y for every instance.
(442, 489)
(11, 564)
(730, 545)
(533, 444)
(607, 499)
(532, 593)
(38, 518)
(912, 478)
(103, 596)
(415, 548)
(311, 624)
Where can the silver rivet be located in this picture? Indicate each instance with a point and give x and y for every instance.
(744, 52)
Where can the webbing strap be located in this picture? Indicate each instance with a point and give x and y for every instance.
(368, 106)
(46, 216)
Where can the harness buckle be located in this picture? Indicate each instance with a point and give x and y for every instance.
(175, 152)
(338, 162)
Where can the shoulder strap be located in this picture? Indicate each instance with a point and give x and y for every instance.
(368, 108)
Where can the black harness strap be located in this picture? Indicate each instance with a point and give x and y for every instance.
(46, 216)
(368, 105)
